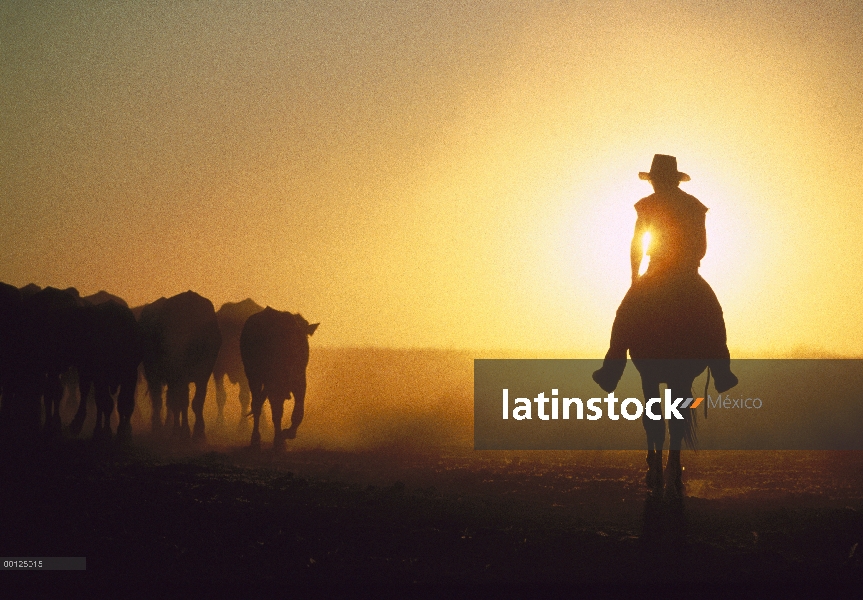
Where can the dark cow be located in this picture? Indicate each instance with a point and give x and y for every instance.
(29, 289)
(109, 350)
(275, 349)
(10, 315)
(232, 316)
(44, 351)
(71, 382)
(101, 297)
(181, 343)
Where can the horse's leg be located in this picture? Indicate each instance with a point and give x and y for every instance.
(677, 431)
(655, 431)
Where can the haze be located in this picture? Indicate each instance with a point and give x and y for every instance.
(423, 174)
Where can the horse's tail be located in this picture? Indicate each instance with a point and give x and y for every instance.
(690, 422)
(690, 419)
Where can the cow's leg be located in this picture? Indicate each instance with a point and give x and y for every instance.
(277, 407)
(84, 383)
(198, 408)
(299, 402)
(655, 431)
(154, 388)
(70, 390)
(30, 415)
(126, 404)
(178, 404)
(52, 396)
(245, 401)
(258, 397)
(140, 395)
(221, 397)
(104, 409)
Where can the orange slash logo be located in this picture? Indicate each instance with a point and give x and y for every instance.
(693, 404)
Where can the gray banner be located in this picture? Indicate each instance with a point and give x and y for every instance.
(41, 563)
(778, 405)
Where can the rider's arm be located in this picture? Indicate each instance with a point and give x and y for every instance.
(636, 250)
(701, 239)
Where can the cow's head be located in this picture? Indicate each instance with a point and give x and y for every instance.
(304, 325)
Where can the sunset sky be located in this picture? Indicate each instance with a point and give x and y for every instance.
(432, 173)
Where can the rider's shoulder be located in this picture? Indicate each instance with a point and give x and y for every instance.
(647, 202)
(694, 202)
(658, 201)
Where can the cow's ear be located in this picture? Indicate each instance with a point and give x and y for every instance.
(312, 328)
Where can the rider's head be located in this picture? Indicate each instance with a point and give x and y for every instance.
(663, 173)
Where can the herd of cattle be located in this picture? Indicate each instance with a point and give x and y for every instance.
(46, 334)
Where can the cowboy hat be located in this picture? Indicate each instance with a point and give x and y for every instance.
(664, 168)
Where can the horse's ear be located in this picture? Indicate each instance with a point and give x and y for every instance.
(312, 328)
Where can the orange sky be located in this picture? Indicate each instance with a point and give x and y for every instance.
(430, 174)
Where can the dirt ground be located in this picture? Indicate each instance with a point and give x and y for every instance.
(381, 492)
(154, 516)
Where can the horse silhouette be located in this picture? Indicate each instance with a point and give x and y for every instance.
(274, 346)
(181, 342)
(673, 328)
(231, 317)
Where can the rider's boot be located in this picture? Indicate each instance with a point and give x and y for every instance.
(611, 371)
(723, 378)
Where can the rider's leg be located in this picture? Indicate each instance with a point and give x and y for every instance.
(614, 364)
(715, 339)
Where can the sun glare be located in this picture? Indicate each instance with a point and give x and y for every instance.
(645, 258)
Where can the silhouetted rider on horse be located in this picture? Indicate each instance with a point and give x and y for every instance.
(670, 312)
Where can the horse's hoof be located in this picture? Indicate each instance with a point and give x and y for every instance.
(654, 480)
(290, 434)
(256, 440)
(673, 484)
